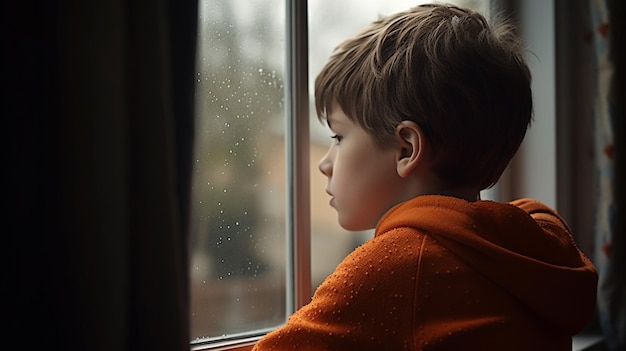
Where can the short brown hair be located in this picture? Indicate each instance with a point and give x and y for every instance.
(464, 82)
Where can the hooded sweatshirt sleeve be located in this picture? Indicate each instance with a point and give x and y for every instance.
(366, 304)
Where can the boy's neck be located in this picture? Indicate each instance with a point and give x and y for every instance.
(467, 194)
(427, 183)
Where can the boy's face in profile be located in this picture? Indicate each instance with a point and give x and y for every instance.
(362, 177)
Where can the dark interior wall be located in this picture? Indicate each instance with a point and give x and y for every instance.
(576, 185)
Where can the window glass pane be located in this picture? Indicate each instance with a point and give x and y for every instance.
(331, 22)
(238, 210)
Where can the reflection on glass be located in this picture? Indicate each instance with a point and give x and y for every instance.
(238, 205)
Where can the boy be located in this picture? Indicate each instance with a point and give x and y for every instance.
(428, 107)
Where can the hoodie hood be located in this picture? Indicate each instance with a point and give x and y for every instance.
(524, 247)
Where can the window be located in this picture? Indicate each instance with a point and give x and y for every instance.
(250, 263)
(238, 240)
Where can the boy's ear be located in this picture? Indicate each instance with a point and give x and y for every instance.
(410, 148)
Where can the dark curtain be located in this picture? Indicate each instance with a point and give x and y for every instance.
(98, 118)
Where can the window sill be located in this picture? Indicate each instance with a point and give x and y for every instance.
(234, 345)
(588, 342)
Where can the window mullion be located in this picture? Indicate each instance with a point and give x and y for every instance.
(297, 150)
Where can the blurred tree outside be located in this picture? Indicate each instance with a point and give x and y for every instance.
(239, 142)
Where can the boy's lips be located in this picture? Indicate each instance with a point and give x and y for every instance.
(332, 198)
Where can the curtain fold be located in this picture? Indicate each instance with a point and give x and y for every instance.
(160, 98)
(100, 128)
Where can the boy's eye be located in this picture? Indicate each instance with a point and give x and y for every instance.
(337, 138)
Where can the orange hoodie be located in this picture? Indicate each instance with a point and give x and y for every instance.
(442, 273)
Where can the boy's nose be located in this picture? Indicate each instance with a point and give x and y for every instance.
(325, 164)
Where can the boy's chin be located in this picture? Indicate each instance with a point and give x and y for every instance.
(354, 226)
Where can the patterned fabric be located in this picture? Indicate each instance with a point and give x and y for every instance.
(611, 290)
